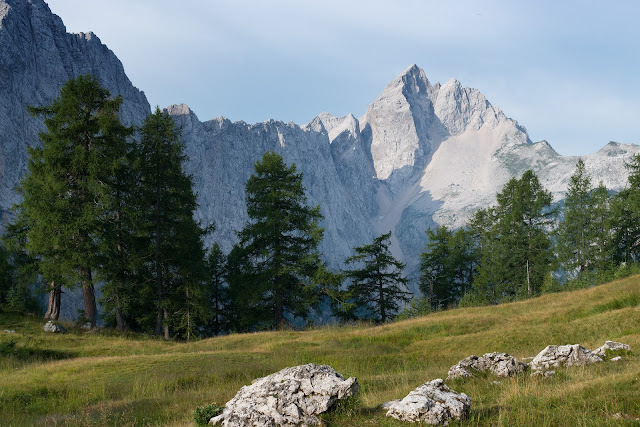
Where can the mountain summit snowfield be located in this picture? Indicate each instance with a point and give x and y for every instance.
(423, 154)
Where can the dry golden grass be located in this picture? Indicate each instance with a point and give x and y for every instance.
(106, 379)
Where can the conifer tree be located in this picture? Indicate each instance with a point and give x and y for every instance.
(447, 266)
(582, 232)
(279, 244)
(218, 292)
(516, 247)
(66, 192)
(624, 223)
(171, 240)
(376, 288)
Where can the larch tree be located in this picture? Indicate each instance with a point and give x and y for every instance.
(516, 249)
(377, 287)
(279, 244)
(582, 232)
(66, 192)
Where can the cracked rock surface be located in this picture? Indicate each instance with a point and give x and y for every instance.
(612, 346)
(291, 397)
(499, 364)
(557, 356)
(431, 403)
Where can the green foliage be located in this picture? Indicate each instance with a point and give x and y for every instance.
(447, 266)
(202, 414)
(217, 292)
(582, 232)
(277, 259)
(513, 241)
(376, 288)
(417, 307)
(171, 279)
(66, 194)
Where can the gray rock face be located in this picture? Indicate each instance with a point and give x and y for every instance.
(423, 155)
(499, 364)
(37, 56)
(611, 346)
(557, 356)
(291, 397)
(51, 326)
(431, 403)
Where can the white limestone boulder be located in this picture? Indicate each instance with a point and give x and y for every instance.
(291, 397)
(51, 326)
(431, 403)
(611, 346)
(557, 356)
(499, 364)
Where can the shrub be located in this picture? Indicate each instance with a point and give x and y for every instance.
(202, 414)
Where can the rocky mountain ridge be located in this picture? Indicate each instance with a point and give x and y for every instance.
(423, 154)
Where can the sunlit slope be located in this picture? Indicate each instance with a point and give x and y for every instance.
(84, 378)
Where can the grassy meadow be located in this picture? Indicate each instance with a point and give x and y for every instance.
(106, 378)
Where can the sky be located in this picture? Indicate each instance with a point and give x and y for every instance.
(569, 71)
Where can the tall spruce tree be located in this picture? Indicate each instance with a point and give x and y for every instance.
(279, 244)
(171, 240)
(66, 192)
(582, 232)
(376, 287)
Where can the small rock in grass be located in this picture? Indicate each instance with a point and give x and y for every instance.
(499, 364)
(543, 374)
(50, 326)
(615, 359)
(9, 331)
(431, 403)
(611, 346)
(557, 356)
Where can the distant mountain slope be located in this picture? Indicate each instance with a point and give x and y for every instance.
(37, 56)
(423, 154)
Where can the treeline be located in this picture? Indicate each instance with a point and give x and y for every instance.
(111, 203)
(525, 245)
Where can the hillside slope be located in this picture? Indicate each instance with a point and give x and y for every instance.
(103, 378)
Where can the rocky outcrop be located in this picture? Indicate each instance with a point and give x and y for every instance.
(498, 364)
(611, 347)
(557, 356)
(431, 403)
(53, 327)
(293, 396)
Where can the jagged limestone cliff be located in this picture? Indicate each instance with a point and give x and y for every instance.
(423, 154)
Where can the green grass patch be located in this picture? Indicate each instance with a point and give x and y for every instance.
(108, 378)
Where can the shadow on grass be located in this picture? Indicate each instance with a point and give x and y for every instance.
(25, 354)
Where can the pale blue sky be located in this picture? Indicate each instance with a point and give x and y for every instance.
(569, 71)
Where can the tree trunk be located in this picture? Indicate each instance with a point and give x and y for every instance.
(383, 313)
(53, 309)
(89, 296)
(120, 323)
(528, 280)
(159, 277)
(188, 318)
(166, 323)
